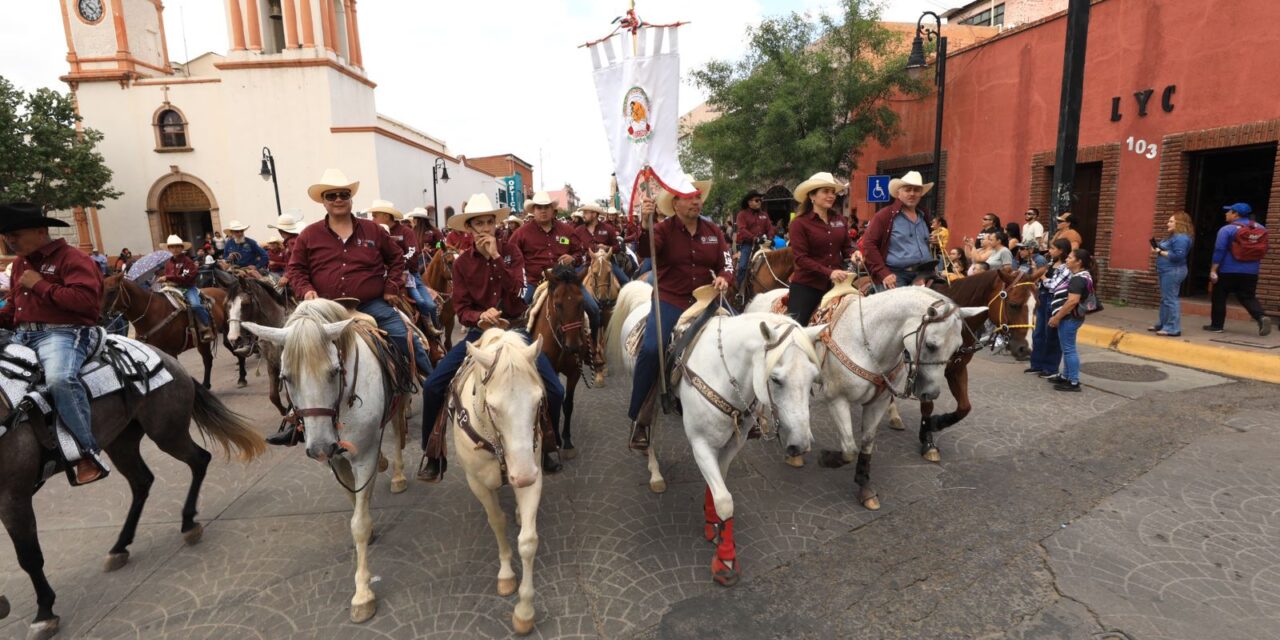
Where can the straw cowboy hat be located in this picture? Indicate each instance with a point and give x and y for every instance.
(577, 214)
(15, 216)
(591, 207)
(513, 218)
(332, 180)
(666, 200)
(273, 239)
(539, 198)
(174, 241)
(479, 205)
(385, 206)
(820, 180)
(612, 210)
(911, 179)
(288, 223)
(418, 212)
(236, 225)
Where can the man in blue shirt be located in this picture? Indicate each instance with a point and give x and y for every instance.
(241, 251)
(1230, 275)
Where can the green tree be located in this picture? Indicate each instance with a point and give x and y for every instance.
(43, 159)
(806, 96)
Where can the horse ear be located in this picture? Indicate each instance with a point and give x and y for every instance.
(969, 312)
(334, 329)
(274, 335)
(531, 352)
(815, 332)
(481, 357)
(764, 331)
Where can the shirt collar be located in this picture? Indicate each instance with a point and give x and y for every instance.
(48, 250)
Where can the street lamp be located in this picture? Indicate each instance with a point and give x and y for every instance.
(439, 173)
(916, 65)
(268, 172)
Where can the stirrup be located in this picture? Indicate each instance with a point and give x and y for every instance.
(431, 470)
(639, 438)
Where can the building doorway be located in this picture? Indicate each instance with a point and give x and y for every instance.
(1086, 194)
(1218, 178)
(779, 203)
(185, 212)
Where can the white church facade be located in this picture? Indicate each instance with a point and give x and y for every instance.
(186, 141)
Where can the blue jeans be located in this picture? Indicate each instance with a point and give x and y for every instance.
(389, 320)
(61, 353)
(436, 388)
(646, 266)
(1170, 306)
(744, 260)
(1046, 352)
(646, 373)
(619, 274)
(905, 278)
(192, 296)
(422, 298)
(1067, 330)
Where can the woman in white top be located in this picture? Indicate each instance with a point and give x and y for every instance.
(993, 251)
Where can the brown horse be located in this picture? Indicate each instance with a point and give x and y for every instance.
(158, 323)
(439, 278)
(560, 324)
(767, 271)
(602, 284)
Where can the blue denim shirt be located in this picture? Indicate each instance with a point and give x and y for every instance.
(1222, 257)
(1178, 245)
(251, 255)
(909, 243)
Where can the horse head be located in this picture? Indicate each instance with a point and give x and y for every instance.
(564, 307)
(788, 368)
(931, 343)
(1012, 311)
(603, 285)
(508, 400)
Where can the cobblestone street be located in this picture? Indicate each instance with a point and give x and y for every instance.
(1129, 511)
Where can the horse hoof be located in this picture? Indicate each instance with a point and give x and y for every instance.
(794, 461)
(208, 386)
(506, 586)
(872, 503)
(363, 611)
(242, 383)
(44, 629)
(895, 423)
(4, 607)
(383, 463)
(522, 627)
(399, 485)
(193, 536)
(725, 575)
(599, 381)
(115, 562)
(932, 455)
(658, 486)
(568, 453)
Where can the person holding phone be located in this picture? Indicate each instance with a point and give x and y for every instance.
(1171, 269)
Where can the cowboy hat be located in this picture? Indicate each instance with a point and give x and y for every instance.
(612, 210)
(577, 214)
(1066, 216)
(513, 218)
(236, 225)
(418, 212)
(910, 179)
(752, 194)
(273, 239)
(478, 206)
(385, 206)
(15, 216)
(173, 240)
(332, 180)
(539, 198)
(666, 199)
(820, 180)
(591, 207)
(288, 223)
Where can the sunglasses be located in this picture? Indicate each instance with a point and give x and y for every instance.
(334, 196)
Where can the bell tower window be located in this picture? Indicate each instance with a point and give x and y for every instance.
(171, 130)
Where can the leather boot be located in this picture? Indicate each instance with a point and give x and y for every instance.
(432, 469)
(640, 428)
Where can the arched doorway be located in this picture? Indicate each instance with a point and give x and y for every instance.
(181, 204)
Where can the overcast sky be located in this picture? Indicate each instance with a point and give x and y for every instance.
(445, 67)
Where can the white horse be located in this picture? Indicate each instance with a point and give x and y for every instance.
(897, 342)
(498, 442)
(338, 387)
(635, 301)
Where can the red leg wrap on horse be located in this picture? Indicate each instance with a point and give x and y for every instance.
(709, 508)
(726, 551)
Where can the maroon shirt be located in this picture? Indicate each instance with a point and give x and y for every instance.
(367, 266)
(542, 249)
(180, 271)
(686, 262)
(406, 239)
(752, 224)
(70, 291)
(819, 247)
(430, 239)
(875, 242)
(480, 284)
(604, 235)
(459, 240)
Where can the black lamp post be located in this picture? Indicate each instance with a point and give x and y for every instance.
(439, 173)
(916, 65)
(268, 172)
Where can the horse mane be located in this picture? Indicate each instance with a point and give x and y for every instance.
(270, 291)
(506, 370)
(971, 290)
(564, 273)
(305, 351)
(435, 276)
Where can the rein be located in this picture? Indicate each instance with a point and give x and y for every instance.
(463, 418)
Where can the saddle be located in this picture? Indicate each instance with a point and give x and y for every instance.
(685, 334)
(178, 301)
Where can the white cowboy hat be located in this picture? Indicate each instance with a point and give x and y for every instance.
(385, 206)
(479, 205)
(577, 214)
(418, 212)
(666, 200)
(273, 238)
(236, 225)
(613, 211)
(539, 198)
(911, 179)
(288, 223)
(591, 207)
(513, 218)
(820, 180)
(332, 180)
(174, 240)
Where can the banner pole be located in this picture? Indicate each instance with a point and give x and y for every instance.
(657, 302)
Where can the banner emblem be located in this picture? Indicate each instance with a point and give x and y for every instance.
(635, 112)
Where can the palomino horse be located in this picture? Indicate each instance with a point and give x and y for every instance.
(559, 323)
(768, 270)
(894, 343)
(254, 300)
(494, 407)
(157, 322)
(344, 396)
(603, 285)
(120, 420)
(439, 278)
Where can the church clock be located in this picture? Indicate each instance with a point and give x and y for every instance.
(90, 10)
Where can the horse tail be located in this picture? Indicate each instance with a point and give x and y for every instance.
(222, 425)
(630, 297)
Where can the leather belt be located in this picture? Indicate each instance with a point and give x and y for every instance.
(45, 326)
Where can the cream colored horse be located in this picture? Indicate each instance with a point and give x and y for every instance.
(602, 284)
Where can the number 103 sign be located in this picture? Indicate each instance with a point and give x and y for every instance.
(1149, 150)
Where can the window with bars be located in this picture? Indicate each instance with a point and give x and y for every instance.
(171, 130)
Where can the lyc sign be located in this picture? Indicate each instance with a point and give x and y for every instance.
(1143, 98)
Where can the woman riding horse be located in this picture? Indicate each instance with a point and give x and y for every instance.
(820, 240)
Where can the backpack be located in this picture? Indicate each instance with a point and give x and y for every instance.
(1249, 243)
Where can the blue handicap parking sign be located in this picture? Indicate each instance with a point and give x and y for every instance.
(878, 189)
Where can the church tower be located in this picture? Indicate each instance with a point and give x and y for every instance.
(294, 29)
(120, 40)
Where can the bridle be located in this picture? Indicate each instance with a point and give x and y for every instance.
(1002, 326)
(595, 279)
(884, 381)
(559, 331)
(463, 418)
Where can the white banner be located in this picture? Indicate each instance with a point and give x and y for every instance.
(639, 93)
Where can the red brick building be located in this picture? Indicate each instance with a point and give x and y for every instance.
(506, 165)
(1181, 112)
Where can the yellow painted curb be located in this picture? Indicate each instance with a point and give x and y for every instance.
(1231, 362)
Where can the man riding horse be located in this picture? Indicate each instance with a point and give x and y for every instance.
(753, 229)
(896, 243)
(598, 234)
(242, 251)
(384, 212)
(489, 278)
(53, 305)
(180, 273)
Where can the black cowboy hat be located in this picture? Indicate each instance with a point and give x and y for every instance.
(15, 216)
(747, 198)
